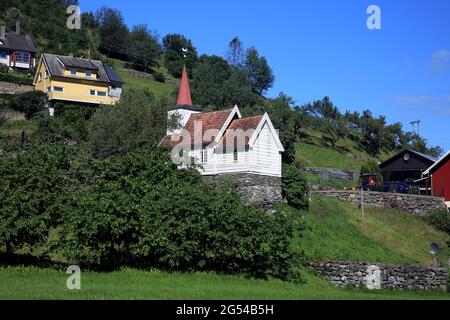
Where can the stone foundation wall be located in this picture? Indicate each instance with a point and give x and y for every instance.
(418, 205)
(253, 188)
(382, 276)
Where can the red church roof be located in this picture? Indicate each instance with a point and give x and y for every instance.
(184, 93)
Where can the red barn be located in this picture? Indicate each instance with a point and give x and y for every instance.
(439, 173)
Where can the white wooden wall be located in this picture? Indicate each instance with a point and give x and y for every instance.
(264, 158)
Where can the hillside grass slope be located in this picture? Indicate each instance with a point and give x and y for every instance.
(334, 231)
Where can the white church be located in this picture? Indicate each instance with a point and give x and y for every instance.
(223, 142)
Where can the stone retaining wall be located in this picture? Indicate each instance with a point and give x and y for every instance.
(382, 276)
(13, 88)
(419, 205)
(253, 188)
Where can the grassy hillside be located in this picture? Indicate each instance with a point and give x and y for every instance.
(346, 155)
(159, 89)
(334, 231)
(33, 283)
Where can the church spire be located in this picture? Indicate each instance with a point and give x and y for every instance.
(184, 93)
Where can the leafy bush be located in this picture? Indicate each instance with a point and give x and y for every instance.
(295, 187)
(440, 219)
(4, 68)
(139, 208)
(29, 103)
(158, 76)
(15, 78)
(139, 119)
(370, 167)
(31, 182)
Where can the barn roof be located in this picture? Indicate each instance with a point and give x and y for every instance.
(426, 157)
(18, 42)
(437, 164)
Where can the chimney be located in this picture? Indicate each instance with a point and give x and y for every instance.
(71, 54)
(2, 32)
(18, 25)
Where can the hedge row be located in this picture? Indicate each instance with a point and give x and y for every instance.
(18, 79)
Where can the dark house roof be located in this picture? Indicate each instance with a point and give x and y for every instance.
(115, 79)
(18, 42)
(56, 64)
(427, 158)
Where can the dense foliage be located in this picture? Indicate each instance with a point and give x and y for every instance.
(136, 209)
(29, 103)
(295, 187)
(440, 219)
(139, 119)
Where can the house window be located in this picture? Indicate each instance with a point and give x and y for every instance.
(45, 74)
(204, 156)
(3, 54)
(40, 77)
(58, 89)
(22, 57)
(92, 92)
(235, 152)
(101, 93)
(88, 74)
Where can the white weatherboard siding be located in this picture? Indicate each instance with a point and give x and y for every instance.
(265, 157)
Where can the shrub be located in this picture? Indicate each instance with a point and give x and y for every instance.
(158, 76)
(4, 68)
(140, 208)
(295, 187)
(15, 78)
(31, 181)
(139, 119)
(440, 219)
(29, 103)
(371, 167)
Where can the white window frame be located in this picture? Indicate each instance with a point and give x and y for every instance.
(101, 95)
(71, 72)
(88, 74)
(90, 92)
(204, 155)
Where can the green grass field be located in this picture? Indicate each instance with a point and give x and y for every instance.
(333, 231)
(32, 283)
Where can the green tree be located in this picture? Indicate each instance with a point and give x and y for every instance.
(139, 119)
(29, 103)
(260, 75)
(178, 50)
(144, 47)
(295, 187)
(114, 32)
(236, 53)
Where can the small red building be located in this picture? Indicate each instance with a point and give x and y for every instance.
(439, 174)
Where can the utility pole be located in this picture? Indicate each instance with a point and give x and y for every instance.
(413, 123)
(362, 203)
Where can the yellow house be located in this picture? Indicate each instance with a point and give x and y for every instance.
(77, 80)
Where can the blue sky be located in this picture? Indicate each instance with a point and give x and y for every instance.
(323, 47)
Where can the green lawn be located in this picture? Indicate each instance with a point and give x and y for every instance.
(334, 231)
(32, 283)
(159, 89)
(346, 155)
